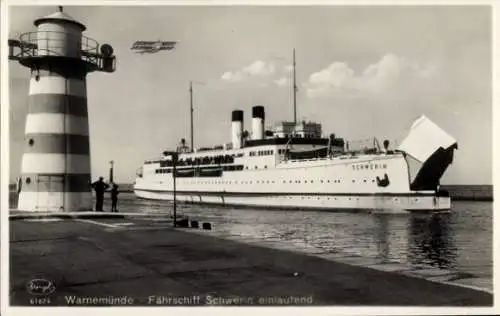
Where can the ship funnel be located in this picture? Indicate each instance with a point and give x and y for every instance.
(258, 117)
(237, 128)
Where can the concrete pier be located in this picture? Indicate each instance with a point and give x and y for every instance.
(139, 261)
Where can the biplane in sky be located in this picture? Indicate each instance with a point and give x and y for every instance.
(150, 47)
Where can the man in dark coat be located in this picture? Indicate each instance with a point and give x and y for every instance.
(99, 186)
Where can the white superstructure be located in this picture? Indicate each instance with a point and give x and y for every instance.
(294, 167)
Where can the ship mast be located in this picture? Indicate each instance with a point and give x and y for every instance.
(294, 91)
(191, 113)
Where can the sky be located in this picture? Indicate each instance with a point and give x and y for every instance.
(362, 71)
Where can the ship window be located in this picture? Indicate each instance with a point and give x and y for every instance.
(321, 181)
(255, 167)
(267, 181)
(376, 166)
(265, 167)
(312, 181)
(305, 181)
(290, 181)
(385, 166)
(328, 181)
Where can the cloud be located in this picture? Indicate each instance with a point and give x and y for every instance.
(281, 81)
(386, 75)
(232, 76)
(258, 68)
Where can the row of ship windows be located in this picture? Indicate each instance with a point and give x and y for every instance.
(271, 182)
(261, 153)
(370, 166)
(266, 152)
(224, 168)
(354, 167)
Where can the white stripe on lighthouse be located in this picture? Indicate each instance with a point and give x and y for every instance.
(55, 201)
(58, 85)
(56, 123)
(55, 163)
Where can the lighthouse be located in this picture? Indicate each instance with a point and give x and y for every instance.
(55, 167)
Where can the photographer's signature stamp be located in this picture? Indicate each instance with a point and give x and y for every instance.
(40, 289)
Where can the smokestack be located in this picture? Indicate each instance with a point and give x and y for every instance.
(237, 128)
(258, 117)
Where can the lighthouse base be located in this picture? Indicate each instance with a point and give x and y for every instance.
(55, 201)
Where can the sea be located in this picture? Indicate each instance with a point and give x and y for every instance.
(458, 242)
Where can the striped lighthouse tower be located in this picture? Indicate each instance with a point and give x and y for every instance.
(55, 167)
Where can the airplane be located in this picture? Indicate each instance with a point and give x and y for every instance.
(151, 47)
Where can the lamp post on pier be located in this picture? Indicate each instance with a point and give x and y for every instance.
(111, 163)
(175, 156)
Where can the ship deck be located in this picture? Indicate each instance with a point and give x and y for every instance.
(146, 259)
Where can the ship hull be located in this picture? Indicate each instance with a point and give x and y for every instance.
(391, 203)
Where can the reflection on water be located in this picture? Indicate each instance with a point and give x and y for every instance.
(429, 239)
(432, 241)
(382, 236)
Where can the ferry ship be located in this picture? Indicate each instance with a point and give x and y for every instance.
(294, 166)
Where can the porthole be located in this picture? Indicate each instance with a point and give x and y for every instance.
(28, 180)
(31, 142)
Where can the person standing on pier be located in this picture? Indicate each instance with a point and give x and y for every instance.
(99, 186)
(114, 197)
